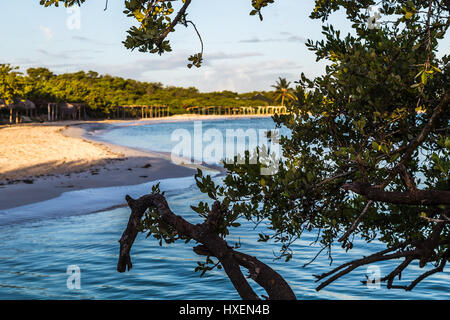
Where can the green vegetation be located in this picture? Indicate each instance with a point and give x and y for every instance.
(12, 85)
(104, 92)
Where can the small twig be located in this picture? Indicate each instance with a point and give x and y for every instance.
(443, 219)
(198, 33)
(356, 223)
(315, 257)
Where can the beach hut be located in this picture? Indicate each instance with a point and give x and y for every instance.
(18, 108)
(65, 111)
(145, 111)
(70, 110)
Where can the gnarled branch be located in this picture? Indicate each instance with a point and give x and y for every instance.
(211, 244)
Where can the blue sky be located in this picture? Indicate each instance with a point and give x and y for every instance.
(241, 53)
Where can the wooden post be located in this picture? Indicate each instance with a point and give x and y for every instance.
(10, 115)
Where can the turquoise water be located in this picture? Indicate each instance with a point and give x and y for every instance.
(39, 241)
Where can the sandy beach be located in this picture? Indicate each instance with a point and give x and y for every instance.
(37, 150)
(41, 161)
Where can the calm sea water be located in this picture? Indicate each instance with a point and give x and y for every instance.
(39, 241)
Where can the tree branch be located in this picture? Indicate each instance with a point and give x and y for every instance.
(211, 244)
(418, 197)
(357, 263)
(350, 266)
(443, 105)
(443, 219)
(422, 250)
(174, 22)
(407, 179)
(356, 223)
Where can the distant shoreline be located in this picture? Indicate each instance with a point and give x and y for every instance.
(94, 163)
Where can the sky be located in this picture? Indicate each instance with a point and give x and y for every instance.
(241, 53)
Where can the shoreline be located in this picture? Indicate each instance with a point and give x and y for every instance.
(124, 166)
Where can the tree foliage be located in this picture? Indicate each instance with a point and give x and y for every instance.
(12, 85)
(368, 138)
(103, 93)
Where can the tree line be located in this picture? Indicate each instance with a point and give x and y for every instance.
(102, 93)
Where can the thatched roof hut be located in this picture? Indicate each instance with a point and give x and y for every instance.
(18, 104)
(16, 108)
(65, 110)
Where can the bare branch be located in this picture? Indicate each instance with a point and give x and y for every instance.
(364, 261)
(407, 179)
(443, 219)
(356, 223)
(421, 250)
(212, 245)
(418, 197)
(440, 268)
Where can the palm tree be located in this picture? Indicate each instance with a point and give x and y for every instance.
(283, 91)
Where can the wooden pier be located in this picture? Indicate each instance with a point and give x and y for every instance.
(142, 111)
(221, 110)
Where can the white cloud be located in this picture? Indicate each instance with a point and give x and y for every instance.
(47, 32)
(236, 71)
(240, 77)
(285, 37)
